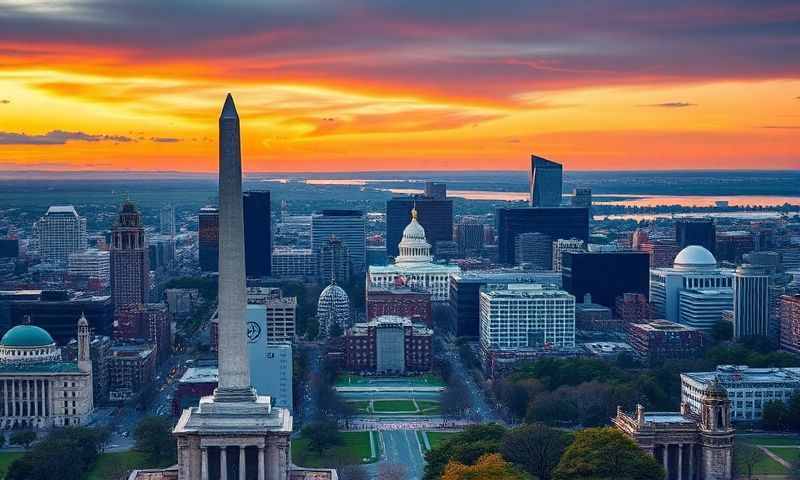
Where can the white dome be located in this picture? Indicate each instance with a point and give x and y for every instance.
(695, 257)
(414, 248)
(333, 307)
(414, 231)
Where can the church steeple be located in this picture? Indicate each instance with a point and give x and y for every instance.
(84, 348)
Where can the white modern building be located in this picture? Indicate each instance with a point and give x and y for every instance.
(60, 231)
(270, 362)
(694, 291)
(293, 262)
(281, 314)
(751, 301)
(414, 266)
(561, 246)
(749, 389)
(522, 316)
(90, 264)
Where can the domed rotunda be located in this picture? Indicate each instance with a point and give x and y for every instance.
(695, 257)
(333, 308)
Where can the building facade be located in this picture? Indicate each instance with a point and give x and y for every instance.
(59, 232)
(435, 216)
(557, 223)
(402, 302)
(605, 275)
(90, 264)
(632, 308)
(389, 345)
(257, 233)
(293, 262)
(545, 182)
(131, 367)
(534, 250)
(333, 261)
(347, 226)
(751, 302)
(562, 246)
(130, 262)
(661, 340)
(790, 323)
(469, 236)
(208, 239)
(701, 232)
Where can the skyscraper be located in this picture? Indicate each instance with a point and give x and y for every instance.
(696, 232)
(208, 239)
(60, 232)
(349, 226)
(334, 262)
(582, 197)
(469, 235)
(257, 233)
(436, 190)
(557, 223)
(435, 214)
(130, 264)
(605, 275)
(167, 221)
(544, 180)
(534, 249)
(751, 305)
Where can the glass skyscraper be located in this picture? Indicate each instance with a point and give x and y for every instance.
(544, 180)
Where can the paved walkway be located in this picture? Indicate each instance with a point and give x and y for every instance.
(774, 457)
(402, 448)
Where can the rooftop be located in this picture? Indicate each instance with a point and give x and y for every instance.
(730, 375)
(207, 374)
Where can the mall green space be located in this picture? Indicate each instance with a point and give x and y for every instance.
(355, 449)
(427, 380)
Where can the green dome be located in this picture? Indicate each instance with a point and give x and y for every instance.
(26, 336)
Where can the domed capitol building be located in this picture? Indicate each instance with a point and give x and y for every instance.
(37, 389)
(414, 266)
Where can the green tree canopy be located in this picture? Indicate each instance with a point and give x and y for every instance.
(606, 454)
(154, 438)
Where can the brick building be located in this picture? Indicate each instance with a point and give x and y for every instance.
(663, 340)
(388, 344)
(790, 323)
(402, 301)
(130, 368)
(632, 308)
(148, 321)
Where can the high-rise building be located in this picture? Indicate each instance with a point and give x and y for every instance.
(751, 306)
(270, 361)
(293, 262)
(436, 190)
(700, 232)
(606, 275)
(90, 264)
(435, 214)
(534, 249)
(149, 321)
(544, 179)
(281, 314)
(208, 239)
(167, 221)
(582, 197)
(257, 233)
(694, 292)
(333, 261)
(59, 232)
(469, 236)
(731, 245)
(561, 246)
(790, 323)
(130, 270)
(348, 226)
(131, 367)
(555, 222)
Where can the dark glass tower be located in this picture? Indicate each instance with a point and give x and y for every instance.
(257, 233)
(435, 216)
(696, 232)
(208, 239)
(567, 222)
(545, 181)
(605, 275)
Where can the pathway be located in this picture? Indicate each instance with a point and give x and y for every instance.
(774, 457)
(401, 447)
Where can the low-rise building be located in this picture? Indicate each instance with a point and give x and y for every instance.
(131, 367)
(389, 344)
(632, 308)
(790, 323)
(595, 317)
(293, 262)
(661, 340)
(400, 301)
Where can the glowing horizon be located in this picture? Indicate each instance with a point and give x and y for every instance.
(351, 86)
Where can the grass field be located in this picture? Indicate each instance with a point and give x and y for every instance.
(354, 450)
(360, 406)
(429, 407)
(427, 380)
(379, 406)
(769, 439)
(436, 438)
(6, 459)
(790, 454)
(109, 465)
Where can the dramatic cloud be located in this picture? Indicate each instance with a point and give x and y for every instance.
(672, 105)
(165, 139)
(4, 101)
(58, 137)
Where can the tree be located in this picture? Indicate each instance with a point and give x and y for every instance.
(2, 440)
(321, 436)
(66, 454)
(606, 454)
(722, 331)
(793, 416)
(536, 448)
(775, 416)
(153, 437)
(392, 471)
(23, 438)
(745, 457)
(488, 467)
(465, 447)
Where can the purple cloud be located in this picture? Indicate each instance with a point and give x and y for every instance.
(58, 137)
(165, 139)
(671, 105)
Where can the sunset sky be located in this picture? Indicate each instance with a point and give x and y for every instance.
(400, 85)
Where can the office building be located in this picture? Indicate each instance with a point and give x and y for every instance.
(257, 233)
(632, 308)
(694, 291)
(595, 317)
(401, 302)
(59, 232)
(161, 252)
(38, 388)
(748, 388)
(56, 311)
(167, 221)
(435, 216)
(563, 245)
(90, 265)
(348, 226)
(99, 348)
(700, 232)
(465, 290)
(270, 361)
(544, 180)
(293, 262)
(130, 263)
(751, 301)
(790, 323)
(605, 275)
(333, 261)
(469, 237)
(145, 321)
(414, 266)
(436, 190)
(333, 308)
(208, 239)
(731, 245)
(389, 345)
(582, 197)
(660, 340)
(662, 251)
(557, 223)
(131, 367)
(534, 250)
(281, 315)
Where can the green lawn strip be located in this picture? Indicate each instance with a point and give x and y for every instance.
(429, 406)
(437, 438)
(393, 406)
(360, 406)
(354, 450)
(764, 466)
(112, 463)
(6, 459)
(769, 439)
(790, 454)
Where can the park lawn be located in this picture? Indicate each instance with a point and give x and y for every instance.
(764, 466)
(437, 438)
(428, 379)
(360, 406)
(393, 406)
(769, 439)
(790, 454)
(350, 380)
(111, 463)
(354, 450)
(6, 459)
(429, 407)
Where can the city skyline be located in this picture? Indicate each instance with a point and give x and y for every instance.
(349, 87)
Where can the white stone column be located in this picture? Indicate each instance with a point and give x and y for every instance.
(223, 463)
(242, 463)
(13, 399)
(272, 460)
(680, 461)
(282, 460)
(204, 463)
(5, 398)
(665, 459)
(36, 398)
(691, 461)
(261, 470)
